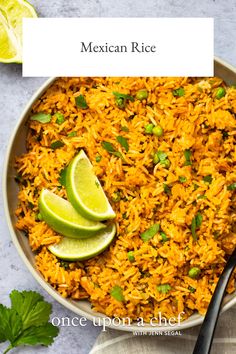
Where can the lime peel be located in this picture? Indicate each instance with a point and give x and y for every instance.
(60, 215)
(82, 249)
(11, 15)
(84, 190)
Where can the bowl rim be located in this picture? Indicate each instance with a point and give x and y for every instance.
(68, 304)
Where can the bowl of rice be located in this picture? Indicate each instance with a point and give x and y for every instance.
(172, 185)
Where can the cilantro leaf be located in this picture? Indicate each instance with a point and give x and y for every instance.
(182, 179)
(232, 187)
(26, 322)
(42, 117)
(121, 99)
(195, 224)
(62, 178)
(117, 293)
(166, 189)
(30, 307)
(123, 142)
(10, 324)
(187, 155)
(179, 92)
(81, 102)
(71, 134)
(208, 179)
(57, 144)
(59, 118)
(110, 148)
(164, 288)
(43, 335)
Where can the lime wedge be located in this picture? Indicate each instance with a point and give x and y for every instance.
(11, 15)
(84, 190)
(60, 215)
(74, 250)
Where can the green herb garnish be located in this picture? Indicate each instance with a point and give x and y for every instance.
(187, 155)
(117, 293)
(124, 129)
(164, 288)
(57, 144)
(81, 102)
(179, 92)
(163, 236)
(27, 321)
(42, 118)
(116, 197)
(232, 187)
(59, 118)
(166, 189)
(123, 142)
(191, 289)
(62, 177)
(202, 196)
(71, 134)
(110, 148)
(208, 179)
(150, 233)
(121, 99)
(182, 179)
(195, 225)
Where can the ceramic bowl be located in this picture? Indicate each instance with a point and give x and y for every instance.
(10, 190)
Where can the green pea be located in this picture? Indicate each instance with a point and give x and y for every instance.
(98, 158)
(194, 272)
(149, 128)
(131, 256)
(158, 131)
(220, 93)
(142, 94)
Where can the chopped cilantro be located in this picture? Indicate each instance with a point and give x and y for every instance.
(187, 155)
(123, 142)
(27, 321)
(42, 117)
(117, 293)
(164, 288)
(81, 102)
(195, 225)
(59, 118)
(57, 144)
(179, 92)
(208, 179)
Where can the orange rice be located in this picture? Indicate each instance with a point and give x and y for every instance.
(142, 193)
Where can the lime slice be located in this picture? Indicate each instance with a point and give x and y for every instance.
(74, 250)
(84, 190)
(11, 15)
(60, 215)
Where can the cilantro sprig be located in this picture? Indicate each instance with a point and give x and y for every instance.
(26, 322)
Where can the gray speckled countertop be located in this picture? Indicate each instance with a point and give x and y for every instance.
(15, 91)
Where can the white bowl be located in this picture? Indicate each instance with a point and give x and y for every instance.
(10, 191)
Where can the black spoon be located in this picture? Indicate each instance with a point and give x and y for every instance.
(205, 337)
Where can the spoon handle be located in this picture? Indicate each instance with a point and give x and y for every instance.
(205, 337)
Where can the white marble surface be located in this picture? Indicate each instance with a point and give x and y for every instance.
(15, 91)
